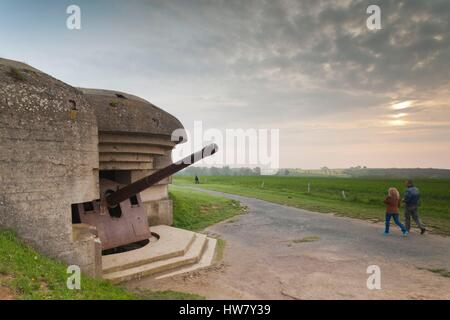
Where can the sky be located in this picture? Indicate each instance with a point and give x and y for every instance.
(340, 94)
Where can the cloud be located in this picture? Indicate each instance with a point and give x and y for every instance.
(262, 63)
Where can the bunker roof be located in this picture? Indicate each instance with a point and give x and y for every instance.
(119, 112)
(38, 96)
(17, 65)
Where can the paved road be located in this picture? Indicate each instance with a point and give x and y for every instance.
(267, 256)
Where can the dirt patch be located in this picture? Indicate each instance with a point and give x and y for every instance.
(209, 208)
(306, 239)
(301, 240)
(5, 292)
(207, 282)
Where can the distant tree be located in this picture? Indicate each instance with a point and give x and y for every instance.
(226, 171)
(214, 171)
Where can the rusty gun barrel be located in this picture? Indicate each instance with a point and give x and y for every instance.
(140, 185)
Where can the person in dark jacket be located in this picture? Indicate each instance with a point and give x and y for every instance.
(197, 180)
(411, 200)
(393, 202)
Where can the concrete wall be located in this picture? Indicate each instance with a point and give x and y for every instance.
(48, 161)
(134, 156)
(156, 200)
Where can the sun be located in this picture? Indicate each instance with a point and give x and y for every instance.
(402, 105)
(397, 123)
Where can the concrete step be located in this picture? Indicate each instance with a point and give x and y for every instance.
(205, 261)
(173, 243)
(192, 256)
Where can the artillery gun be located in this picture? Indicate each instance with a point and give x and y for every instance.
(119, 216)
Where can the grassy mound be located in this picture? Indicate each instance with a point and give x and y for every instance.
(27, 274)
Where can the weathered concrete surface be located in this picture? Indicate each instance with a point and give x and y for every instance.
(48, 161)
(173, 242)
(267, 256)
(125, 113)
(135, 139)
(159, 212)
(176, 250)
(206, 260)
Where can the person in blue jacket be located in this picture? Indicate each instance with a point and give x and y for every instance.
(411, 200)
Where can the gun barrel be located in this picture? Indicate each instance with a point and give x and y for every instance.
(140, 185)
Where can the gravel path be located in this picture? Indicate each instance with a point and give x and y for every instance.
(280, 252)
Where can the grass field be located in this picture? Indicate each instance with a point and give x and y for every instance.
(193, 210)
(364, 196)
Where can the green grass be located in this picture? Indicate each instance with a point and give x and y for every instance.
(16, 74)
(195, 210)
(364, 196)
(220, 249)
(31, 275)
(443, 272)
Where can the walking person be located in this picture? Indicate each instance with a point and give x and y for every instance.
(393, 202)
(411, 200)
(197, 180)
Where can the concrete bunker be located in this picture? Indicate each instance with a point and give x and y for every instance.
(48, 161)
(68, 157)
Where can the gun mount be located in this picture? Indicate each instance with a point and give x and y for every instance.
(118, 215)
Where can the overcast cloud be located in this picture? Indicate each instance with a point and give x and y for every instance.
(341, 95)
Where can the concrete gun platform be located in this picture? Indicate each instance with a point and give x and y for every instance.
(176, 251)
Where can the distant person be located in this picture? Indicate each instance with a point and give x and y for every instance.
(411, 200)
(197, 181)
(393, 202)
